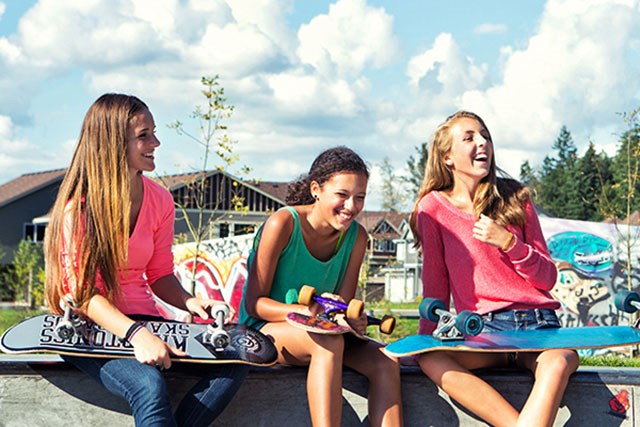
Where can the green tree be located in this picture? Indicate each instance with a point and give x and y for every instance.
(199, 212)
(26, 278)
(392, 198)
(560, 180)
(528, 177)
(416, 166)
(593, 175)
(620, 199)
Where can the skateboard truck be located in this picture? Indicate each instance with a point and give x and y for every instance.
(70, 323)
(450, 326)
(215, 334)
(331, 307)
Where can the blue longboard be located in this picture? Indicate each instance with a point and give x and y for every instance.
(522, 341)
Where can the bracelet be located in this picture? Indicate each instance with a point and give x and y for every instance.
(508, 243)
(133, 329)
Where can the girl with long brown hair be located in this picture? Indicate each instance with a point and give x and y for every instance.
(108, 250)
(483, 247)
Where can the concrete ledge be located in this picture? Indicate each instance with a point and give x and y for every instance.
(44, 391)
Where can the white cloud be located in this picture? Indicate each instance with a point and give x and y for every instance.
(489, 28)
(17, 154)
(2, 8)
(578, 78)
(349, 38)
(445, 67)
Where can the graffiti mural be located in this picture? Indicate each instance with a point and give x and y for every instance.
(591, 259)
(220, 274)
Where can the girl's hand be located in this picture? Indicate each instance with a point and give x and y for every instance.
(360, 324)
(202, 307)
(488, 231)
(151, 350)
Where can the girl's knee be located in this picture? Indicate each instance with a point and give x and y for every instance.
(327, 343)
(559, 363)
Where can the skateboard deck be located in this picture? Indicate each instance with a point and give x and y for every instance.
(521, 341)
(325, 323)
(38, 334)
(319, 325)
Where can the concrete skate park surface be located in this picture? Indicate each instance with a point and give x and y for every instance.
(42, 390)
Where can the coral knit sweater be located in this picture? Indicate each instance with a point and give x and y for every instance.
(478, 276)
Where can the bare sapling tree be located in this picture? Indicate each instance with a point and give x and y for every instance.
(203, 202)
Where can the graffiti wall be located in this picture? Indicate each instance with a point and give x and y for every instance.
(591, 259)
(220, 273)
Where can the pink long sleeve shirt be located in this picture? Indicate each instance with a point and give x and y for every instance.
(150, 252)
(478, 276)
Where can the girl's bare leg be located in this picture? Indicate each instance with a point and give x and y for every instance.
(383, 373)
(323, 354)
(451, 372)
(551, 369)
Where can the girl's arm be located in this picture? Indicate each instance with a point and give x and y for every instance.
(530, 255)
(347, 289)
(274, 238)
(147, 347)
(435, 279)
(169, 289)
(525, 248)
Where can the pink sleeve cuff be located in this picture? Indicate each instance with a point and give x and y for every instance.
(518, 250)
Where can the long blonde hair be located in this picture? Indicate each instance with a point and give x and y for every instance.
(97, 185)
(499, 198)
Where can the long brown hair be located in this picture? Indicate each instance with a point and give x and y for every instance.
(94, 202)
(501, 199)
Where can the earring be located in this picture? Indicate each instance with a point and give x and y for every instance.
(315, 196)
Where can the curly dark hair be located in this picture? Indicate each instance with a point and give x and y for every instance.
(329, 163)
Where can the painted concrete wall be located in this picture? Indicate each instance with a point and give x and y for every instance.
(55, 394)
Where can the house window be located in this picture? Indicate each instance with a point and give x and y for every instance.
(33, 232)
(240, 229)
(386, 246)
(224, 229)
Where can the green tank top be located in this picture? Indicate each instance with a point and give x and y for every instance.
(297, 267)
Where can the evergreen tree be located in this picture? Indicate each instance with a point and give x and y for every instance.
(416, 166)
(528, 177)
(622, 197)
(560, 180)
(592, 174)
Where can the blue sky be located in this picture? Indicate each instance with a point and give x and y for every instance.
(377, 76)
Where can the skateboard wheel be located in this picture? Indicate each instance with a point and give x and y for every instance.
(624, 301)
(305, 297)
(355, 308)
(387, 324)
(220, 340)
(428, 309)
(65, 330)
(469, 323)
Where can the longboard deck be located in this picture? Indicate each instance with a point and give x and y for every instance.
(37, 334)
(521, 341)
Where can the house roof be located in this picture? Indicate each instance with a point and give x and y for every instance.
(277, 190)
(27, 184)
(371, 219)
(31, 182)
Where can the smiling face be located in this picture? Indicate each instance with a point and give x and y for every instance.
(141, 143)
(471, 153)
(341, 198)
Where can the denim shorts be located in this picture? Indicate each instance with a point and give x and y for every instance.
(513, 320)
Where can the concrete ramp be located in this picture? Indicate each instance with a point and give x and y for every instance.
(44, 391)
